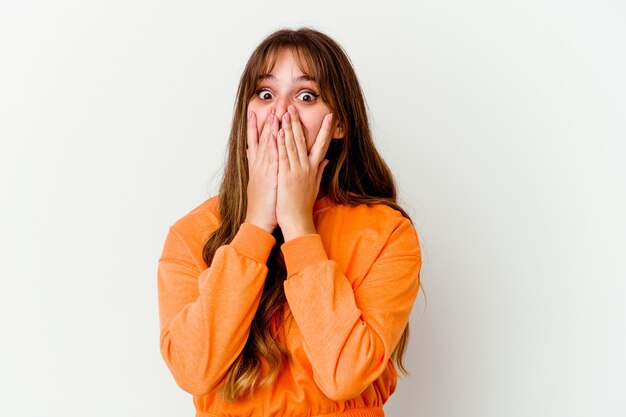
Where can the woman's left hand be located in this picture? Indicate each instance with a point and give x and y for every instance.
(299, 174)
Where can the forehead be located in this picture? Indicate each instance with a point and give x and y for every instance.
(290, 59)
(295, 79)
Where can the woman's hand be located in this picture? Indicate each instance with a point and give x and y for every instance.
(299, 174)
(262, 157)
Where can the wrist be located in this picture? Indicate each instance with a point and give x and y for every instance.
(267, 227)
(296, 230)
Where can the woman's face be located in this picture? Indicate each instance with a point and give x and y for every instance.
(286, 85)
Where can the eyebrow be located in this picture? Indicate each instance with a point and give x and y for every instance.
(299, 79)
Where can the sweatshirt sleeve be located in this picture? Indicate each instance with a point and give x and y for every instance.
(349, 334)
(205, 315)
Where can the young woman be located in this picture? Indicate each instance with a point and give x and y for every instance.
(289, 293)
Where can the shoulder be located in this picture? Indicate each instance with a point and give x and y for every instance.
(192, 229)
(368, 229)
(200, 219)
(378, 219)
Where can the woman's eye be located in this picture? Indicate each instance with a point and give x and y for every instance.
(264, 94)
(308, 96)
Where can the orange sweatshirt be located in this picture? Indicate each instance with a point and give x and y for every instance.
(350, 288)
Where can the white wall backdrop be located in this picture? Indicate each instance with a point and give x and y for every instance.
(505, 123)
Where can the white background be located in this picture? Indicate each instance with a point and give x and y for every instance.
(504, 122)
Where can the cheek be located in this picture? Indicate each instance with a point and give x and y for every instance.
(311, 124)
(260, 121)
(260, 115)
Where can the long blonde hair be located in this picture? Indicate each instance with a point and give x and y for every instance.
(356, 174)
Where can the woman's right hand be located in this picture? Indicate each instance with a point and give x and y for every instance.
(262, 154)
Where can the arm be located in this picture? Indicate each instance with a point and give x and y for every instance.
(205, 315)
(349, 334)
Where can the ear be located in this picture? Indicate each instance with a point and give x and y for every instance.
(339, 132)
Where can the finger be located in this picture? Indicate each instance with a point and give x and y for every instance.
(320, 172)
(271, 133)
(322, 141)
(252, 133)
(266, 124)
(274, 124)
(266, 138)
(298, 142)
(283, 158)
(296, 126)
(290, 144)
(263, 140)
(262, 137)
(272, 153)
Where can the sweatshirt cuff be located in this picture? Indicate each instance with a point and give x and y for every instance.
(303, 251)
(253, 242)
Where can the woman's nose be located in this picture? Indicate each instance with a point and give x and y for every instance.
(281, 108)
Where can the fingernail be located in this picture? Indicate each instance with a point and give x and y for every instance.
(287, 118)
